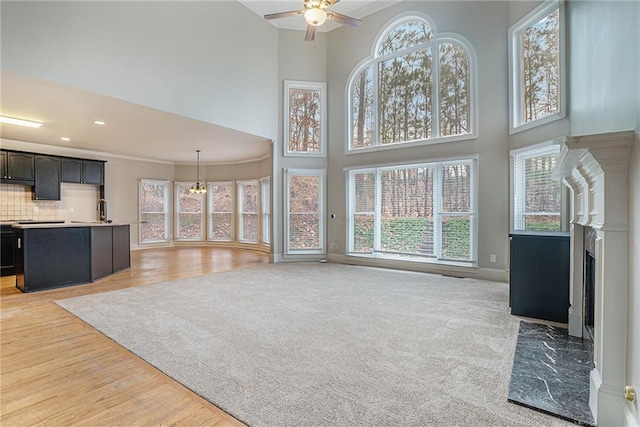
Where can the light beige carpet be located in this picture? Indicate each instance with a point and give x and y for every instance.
(310, 344)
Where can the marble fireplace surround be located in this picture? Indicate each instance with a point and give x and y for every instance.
(594, 167)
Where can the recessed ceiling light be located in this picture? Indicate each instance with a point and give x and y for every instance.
(19, 122)
(99, 122)
(64, 138)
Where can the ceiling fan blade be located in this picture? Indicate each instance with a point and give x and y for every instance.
(332, 2)
(283, 14)
(311, 33)
(343, 19)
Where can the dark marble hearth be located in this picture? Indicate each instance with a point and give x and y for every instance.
(551, 372)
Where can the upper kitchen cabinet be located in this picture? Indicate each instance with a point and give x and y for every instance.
(47, 178)
(83, 171)
(17, 167)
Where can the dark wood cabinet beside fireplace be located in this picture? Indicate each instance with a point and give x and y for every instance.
(539, 274)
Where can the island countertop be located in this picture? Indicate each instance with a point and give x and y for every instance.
(67, 224)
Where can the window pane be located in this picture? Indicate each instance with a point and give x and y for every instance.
(405, 35)
(153, 227)
(266, 211)
(540, 65)
(249, 227)
(454, 90)
(221, 226)
(542, 191)
(542, 222)
(362, 113)
(456, 188)
(405, 97)
(537, 194)
(248, 193)
(189, 213)
(304, 212)
(456, 242)
(407, 211)
(220, 212)
(304, 120)
(153, 197)
(153, 212)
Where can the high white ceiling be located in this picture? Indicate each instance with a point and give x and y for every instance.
(139, 131)
(353, 8)
(130, 130)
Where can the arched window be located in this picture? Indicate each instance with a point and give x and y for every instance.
(417, 87)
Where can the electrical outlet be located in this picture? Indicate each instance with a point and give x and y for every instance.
(36, 209)
(492, 258)
(333, 246)
(71, 209)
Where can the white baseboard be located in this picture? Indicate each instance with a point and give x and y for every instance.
(493, 274)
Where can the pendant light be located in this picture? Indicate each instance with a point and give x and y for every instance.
(197, 187)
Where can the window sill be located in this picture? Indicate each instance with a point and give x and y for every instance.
(447, 268)
(417, 143)
(536, 123)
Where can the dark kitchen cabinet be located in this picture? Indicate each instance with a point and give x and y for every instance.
(47, 178)
(101, 252)
(3, 164)
(17, 167)
(539, 275)
(72, 171)
(121, 248)
(6, 250)
(62, 256)
(83, 171)
(93, 172)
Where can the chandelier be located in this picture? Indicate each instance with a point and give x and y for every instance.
(197, 187)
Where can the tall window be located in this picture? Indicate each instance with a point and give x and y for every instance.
(189, 215)
(265, 206)
(154, 211)
(417, 87)
(536, 51)
(305, 111)
(221, 218)
(423, 211)
(248, 211)
(304, 220)
(536, 193)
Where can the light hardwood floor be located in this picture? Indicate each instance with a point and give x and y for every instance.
(56, 370)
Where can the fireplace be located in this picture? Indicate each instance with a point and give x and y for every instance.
(594, 168)
(589, 288)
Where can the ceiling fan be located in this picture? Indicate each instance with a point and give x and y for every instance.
(316, 13)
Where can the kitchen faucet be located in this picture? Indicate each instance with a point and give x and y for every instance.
(102, 208)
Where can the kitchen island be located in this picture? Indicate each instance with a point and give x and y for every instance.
(54, 255)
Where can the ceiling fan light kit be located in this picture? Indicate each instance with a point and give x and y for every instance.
(315, 14)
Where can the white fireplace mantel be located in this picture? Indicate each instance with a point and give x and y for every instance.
(594, 167)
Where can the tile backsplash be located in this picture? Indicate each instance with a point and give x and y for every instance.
(16, 202)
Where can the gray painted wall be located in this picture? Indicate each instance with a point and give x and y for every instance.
(485, 25)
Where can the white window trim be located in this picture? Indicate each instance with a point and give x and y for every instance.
(240, 210)
(518, 186)
(265, 209)
(316, 86)
(210, 210)
(515, 93)
(167, 212)
(473, 215)
(288, 173)
(435, 42)
(176, 216)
